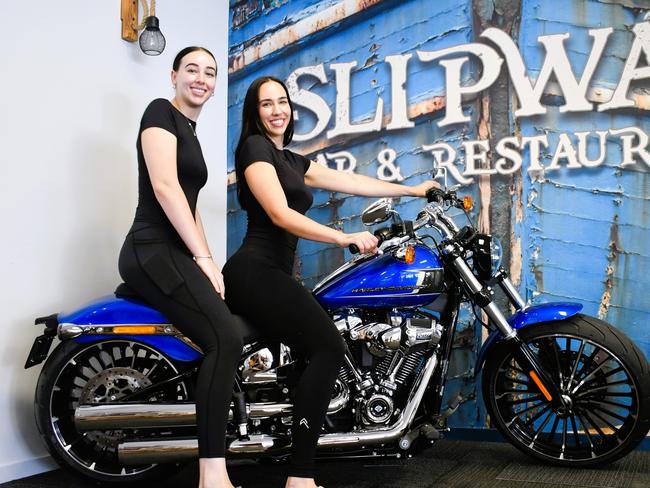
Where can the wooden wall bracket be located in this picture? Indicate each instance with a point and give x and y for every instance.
(129, 16)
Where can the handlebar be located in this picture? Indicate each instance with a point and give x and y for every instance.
(354, 249)
(386, 242)
(440, 196)
(432, 214)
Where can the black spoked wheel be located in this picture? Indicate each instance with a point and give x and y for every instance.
(100, 372)
(605, 385)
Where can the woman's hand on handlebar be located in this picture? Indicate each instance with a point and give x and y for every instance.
(213, 273)
(364, 241)
(420, 190)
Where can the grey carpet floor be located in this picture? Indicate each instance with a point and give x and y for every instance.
(447, 464)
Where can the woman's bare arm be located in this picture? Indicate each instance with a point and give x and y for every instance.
(159, 150)
(263, 181)
(318, 176)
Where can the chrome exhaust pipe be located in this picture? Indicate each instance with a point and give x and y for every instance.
(162, 415)
(134, 416)
(170, 451)
(160, 451)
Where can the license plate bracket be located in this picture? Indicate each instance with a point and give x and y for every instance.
(40, 350)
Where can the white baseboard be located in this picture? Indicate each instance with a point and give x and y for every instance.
(22, 469)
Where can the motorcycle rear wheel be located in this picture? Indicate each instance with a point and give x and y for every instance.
(98, 372)
(604, 378)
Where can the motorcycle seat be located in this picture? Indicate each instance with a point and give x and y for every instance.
(125, 291)
(249, 331)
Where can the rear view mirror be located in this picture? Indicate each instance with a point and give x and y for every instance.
(377, 212)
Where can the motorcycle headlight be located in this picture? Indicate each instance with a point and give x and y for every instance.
(487, 254)
(496, 254)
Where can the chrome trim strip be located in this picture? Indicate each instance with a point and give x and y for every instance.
(391, 296)
(67, 329)
(70, 331)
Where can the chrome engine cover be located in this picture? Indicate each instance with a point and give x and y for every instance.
(378, 409)
(409, 333)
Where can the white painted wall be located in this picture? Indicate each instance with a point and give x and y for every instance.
(71, 96)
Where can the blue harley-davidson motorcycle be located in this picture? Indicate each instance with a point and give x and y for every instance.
(114, 400)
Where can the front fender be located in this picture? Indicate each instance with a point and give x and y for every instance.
(535, 314)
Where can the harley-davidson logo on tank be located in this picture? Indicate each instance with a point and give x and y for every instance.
(537, 108)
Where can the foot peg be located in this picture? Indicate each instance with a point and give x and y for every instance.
(240, 416)
(426, 430)
(453, 405)
(430, 432)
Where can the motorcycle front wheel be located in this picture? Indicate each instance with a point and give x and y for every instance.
(99, 372)
(605, 383)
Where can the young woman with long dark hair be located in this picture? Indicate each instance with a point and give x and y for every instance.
(273, 188)
(166, 259)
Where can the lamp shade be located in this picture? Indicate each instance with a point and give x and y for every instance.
(152, 42)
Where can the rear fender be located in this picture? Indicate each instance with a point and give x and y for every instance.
(86, 324)
(530, 316)
(110, 311)
(171, 346)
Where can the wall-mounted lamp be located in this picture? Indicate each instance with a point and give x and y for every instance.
(152, 42)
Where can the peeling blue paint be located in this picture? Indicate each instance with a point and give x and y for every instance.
(567, 252)
(583, 232)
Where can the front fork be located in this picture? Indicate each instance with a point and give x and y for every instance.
(482, 296)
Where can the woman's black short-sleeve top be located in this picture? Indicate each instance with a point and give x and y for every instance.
(190, 165)
(290, 168)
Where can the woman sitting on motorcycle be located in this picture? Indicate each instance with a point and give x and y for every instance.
(273, 187)
(166, 259)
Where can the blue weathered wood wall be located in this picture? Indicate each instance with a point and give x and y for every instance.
(569, 235)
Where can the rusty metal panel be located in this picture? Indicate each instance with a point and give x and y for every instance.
(571, 234)
(364, 32)
(370, 32)
(584, 232)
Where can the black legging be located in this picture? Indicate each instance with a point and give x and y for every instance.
(283, 310)
(161, 270)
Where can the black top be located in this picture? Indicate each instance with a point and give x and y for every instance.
(190, 165)
(290, 168)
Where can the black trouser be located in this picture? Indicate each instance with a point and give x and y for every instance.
(283, 310)
(159, 267)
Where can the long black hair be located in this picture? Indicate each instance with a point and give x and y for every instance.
(190, 49)
(251, 123)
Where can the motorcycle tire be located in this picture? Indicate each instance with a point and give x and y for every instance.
(605, 382)
(95, 372)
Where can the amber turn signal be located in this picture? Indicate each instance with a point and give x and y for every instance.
(409, 255)
(468, 202)
(141, 329)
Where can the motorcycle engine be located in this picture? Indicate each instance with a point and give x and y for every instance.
(387, 353)
(412, 333)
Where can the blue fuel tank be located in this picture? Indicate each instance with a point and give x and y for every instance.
(383, 281)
